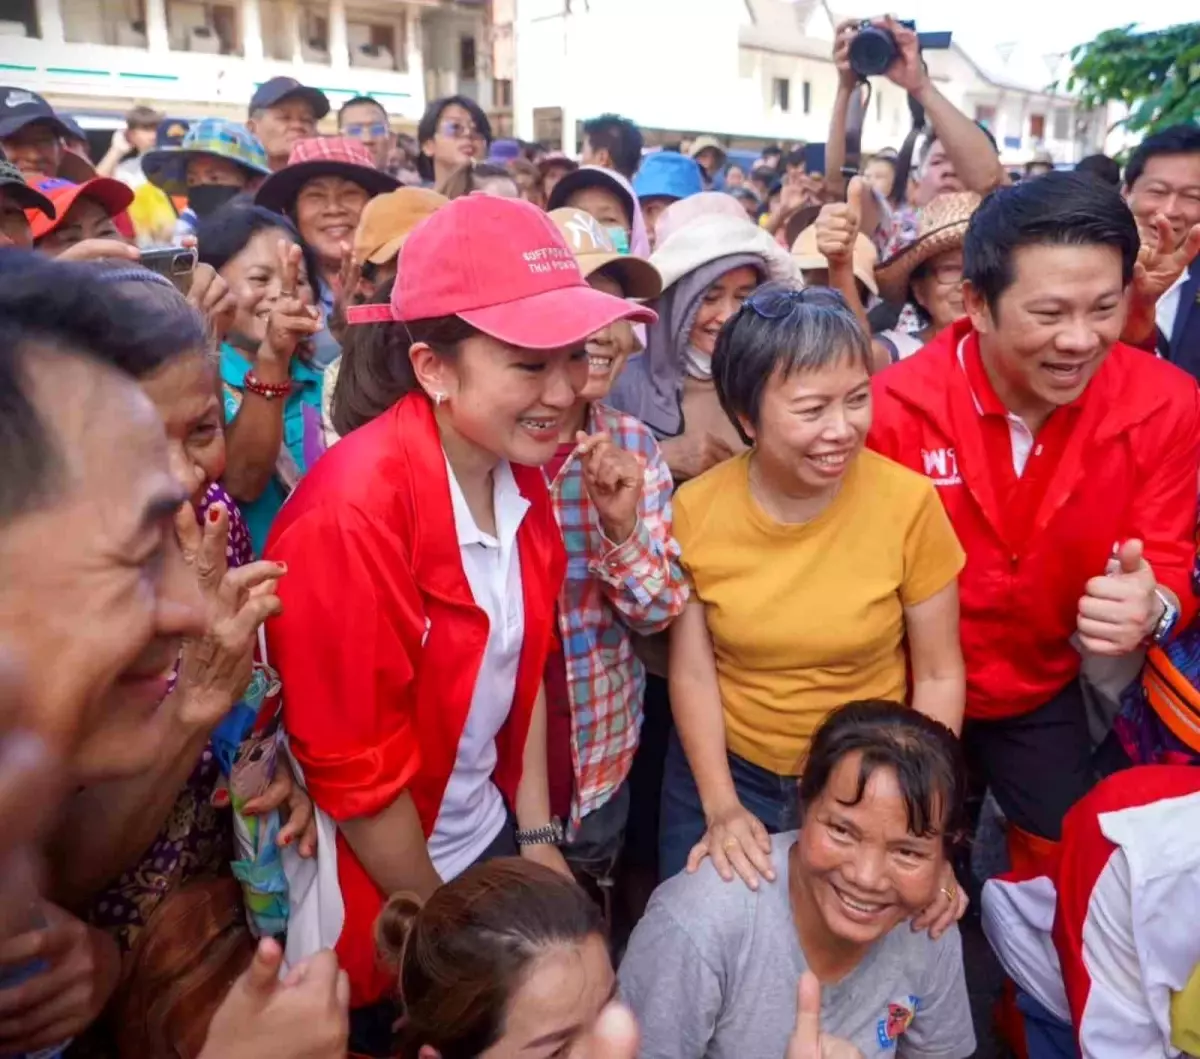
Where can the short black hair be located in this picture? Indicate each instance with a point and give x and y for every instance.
(359, 101)
(1057, 209)
(1176, 139)
(79, 311)
(620, 137)
(1101, 167)
(783, 329)
(774, 151)
(764, 174)
(925, 756)
(427, 127)
(796, 156)
(222, 235)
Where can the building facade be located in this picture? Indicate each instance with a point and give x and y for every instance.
(758, 71)
(95, 58)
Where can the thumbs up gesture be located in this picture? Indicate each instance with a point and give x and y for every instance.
(808, 1042)
(1120, 609)
(838, 225)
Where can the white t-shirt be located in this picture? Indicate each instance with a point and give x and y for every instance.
(1167, 309)
(472, 811)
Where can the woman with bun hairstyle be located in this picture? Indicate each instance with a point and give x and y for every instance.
(509, 959)
(427, 563)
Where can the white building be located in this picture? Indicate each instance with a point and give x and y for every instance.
(757, 71)
(196, 59)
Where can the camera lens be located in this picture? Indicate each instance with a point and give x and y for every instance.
(872, 51)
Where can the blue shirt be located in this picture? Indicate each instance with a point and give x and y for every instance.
(325, 347)
(302, 435)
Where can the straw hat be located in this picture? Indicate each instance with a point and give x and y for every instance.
(806, 255)
(942, 226)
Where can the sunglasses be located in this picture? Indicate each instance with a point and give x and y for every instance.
(456, 130)
(376, 130)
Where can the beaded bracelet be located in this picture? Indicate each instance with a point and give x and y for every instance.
(268, 390)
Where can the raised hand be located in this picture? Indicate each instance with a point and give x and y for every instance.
(215, 669)
(213, 298)
(838, 225)
(293, 318)
(613, 477)
(1120, 608)
(807, 1041)
(349, 280)
(1160, 263)
(908, 71)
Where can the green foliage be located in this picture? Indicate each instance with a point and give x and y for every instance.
(1156, 75)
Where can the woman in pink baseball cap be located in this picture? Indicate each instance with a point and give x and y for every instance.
(424, 563)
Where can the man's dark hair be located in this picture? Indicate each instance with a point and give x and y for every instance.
(1057, 209)
(774, 151)
(796, 156)
(764, 174)
(1177, 139)
(74, 309)
(359, 101)
(427, 127)
(780, 329)
(1101, 167)
(620, 137)
(924, 755)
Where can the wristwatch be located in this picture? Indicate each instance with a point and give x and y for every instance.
(1166, 624)
(551, 834)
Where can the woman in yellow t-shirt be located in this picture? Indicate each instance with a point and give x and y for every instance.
(821, 574)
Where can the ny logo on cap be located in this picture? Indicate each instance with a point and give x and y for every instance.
(19, 99)
(586, 234)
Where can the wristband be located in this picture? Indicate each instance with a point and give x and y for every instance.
(269, 391)
(551, 834)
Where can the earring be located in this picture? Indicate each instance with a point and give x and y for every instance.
(438, 398)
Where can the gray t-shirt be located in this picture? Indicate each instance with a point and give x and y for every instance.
(712, 972)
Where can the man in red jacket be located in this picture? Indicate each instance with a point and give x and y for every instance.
(1067, 462)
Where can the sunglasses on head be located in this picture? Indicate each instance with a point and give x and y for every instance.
(779, 303)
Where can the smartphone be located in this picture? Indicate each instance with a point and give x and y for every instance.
(177, 263)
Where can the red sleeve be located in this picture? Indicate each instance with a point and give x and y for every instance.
(888, 432)
(1163, 511)
(343, 648)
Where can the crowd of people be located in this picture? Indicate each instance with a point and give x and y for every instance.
(458, 599)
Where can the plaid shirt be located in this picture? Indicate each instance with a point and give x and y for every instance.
(611, 591)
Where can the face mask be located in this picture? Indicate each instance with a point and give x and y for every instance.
(620, 239)
(697, 365)
(204, 199)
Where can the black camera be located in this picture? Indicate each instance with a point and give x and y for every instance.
(874, 49)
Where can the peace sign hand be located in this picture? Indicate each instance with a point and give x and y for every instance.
(349, 280)
(613, 477)
(808, 1042)
(292, 318)
(1159, 264)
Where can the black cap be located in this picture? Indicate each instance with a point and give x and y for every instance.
(20, 107)
(278, 89)
(171, 132)
(73, 127)
(14, 186)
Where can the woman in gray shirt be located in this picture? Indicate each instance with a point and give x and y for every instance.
(712, 970)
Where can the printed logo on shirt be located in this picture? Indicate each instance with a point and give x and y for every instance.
(900, 1014)
(941, 466)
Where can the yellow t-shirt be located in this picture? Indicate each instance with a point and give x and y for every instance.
(805, 618)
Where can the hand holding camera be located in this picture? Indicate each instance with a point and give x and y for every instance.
(884, 46)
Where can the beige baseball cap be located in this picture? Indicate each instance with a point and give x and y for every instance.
(387, 220)
(594, 250)
(806, 255)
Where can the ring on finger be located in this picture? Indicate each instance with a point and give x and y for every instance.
(730, 843)
(951, 893)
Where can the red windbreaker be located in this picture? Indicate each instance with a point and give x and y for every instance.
(1128, 470)
(380, 640)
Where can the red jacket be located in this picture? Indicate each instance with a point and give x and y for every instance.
(1128, 470)
(380, 640)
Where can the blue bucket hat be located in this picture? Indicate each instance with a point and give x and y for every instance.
(167, 168)
(669, 175)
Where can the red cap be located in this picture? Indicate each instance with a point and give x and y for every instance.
(502, 266)
(113, 195)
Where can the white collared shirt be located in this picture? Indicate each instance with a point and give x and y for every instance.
(472, 811)
(1018, 432)
(1166, 312)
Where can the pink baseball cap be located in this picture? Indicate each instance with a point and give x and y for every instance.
(503, 267)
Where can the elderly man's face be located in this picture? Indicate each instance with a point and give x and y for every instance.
(36, 150)
(95, 595)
